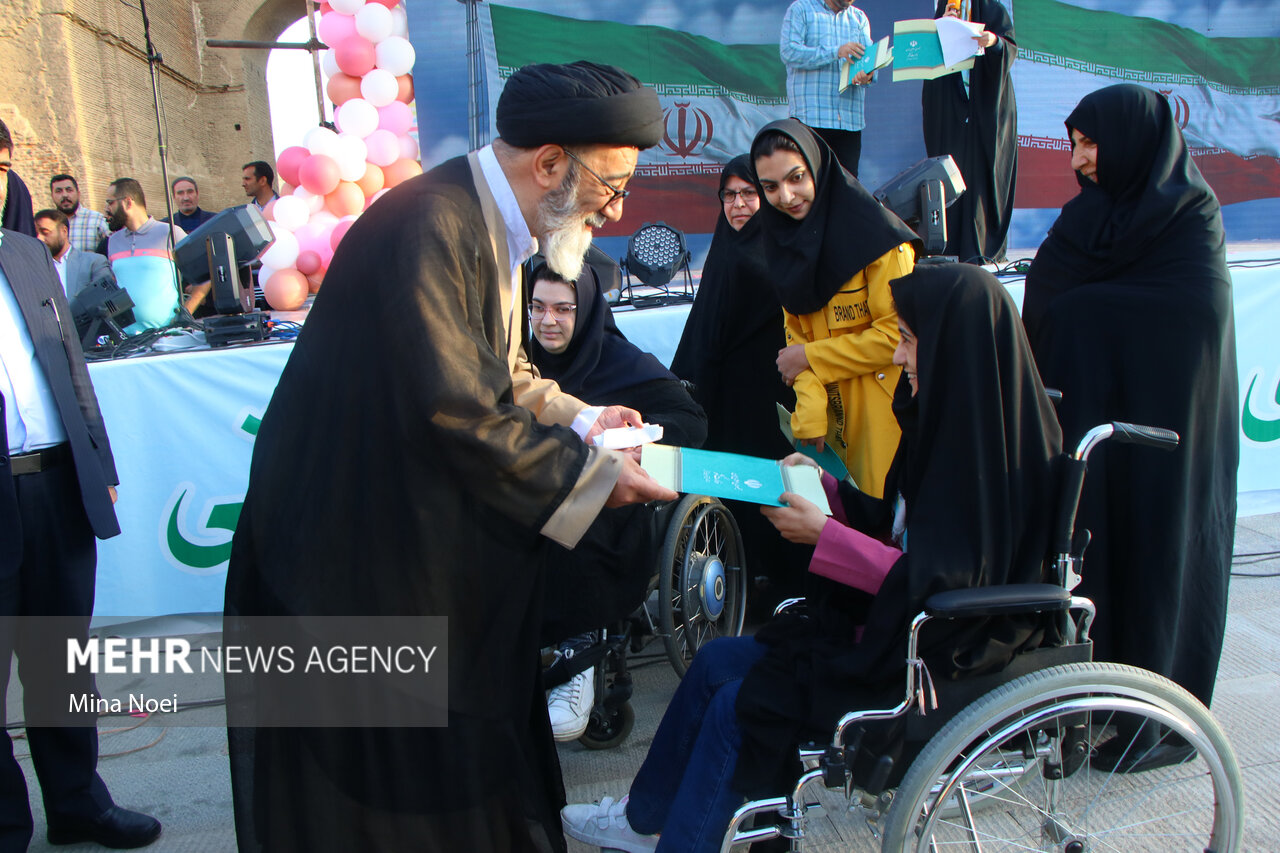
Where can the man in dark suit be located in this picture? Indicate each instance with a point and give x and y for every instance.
(57, 487)
(75, 268)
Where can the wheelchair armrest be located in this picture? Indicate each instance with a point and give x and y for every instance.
(998, 600)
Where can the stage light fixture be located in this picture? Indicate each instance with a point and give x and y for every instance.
(217, 249)
(920, 195)
(103, 308)
(655, 253)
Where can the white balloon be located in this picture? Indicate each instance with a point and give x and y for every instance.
(399, 22)
(352, 156)
(290, 213)
(314, 203)
(329, 63)
(321, 140)
(408, 147)
(323, 219)
(358, 117)
(379, 87)
(396, 55)
(346, 7)
(374, 22)
(283, 252)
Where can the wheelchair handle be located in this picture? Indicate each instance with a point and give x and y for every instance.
(1149, 436)
(1073, 470)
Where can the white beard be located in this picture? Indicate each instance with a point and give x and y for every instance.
(566, 238)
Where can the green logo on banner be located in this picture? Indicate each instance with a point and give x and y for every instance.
(221, 517)
(1255, 428)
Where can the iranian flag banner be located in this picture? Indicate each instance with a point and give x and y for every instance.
(1224, 93)
(714, 96)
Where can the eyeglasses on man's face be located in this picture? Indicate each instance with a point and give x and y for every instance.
(617, 194)
(559, 310)
(731, 196)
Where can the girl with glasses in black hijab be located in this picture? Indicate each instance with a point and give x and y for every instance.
(1128, 308)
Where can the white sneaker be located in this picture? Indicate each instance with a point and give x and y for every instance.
(604, 824)
(569, 705)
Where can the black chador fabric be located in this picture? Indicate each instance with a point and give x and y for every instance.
(975, 470)
(373, 492)
(846, 229)
(1128, 308)
(980, 131)
(606, 574)
(17, 206)
(729, 351)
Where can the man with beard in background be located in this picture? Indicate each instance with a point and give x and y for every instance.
(412, 463)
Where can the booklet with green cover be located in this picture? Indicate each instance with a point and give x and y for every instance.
(827, 458)
(732, 475)
(873, 59)
(917, 51)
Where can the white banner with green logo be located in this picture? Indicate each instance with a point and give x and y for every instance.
(182, 428)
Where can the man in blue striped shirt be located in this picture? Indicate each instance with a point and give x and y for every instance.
(817, 36)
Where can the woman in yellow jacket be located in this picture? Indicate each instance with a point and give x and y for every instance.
(832, 250)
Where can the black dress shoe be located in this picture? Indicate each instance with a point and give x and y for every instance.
(117, 828)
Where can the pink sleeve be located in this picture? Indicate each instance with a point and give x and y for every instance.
(831, 486)
(854, 559)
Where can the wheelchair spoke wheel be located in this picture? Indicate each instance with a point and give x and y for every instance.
(1083, 758)
(702, 579)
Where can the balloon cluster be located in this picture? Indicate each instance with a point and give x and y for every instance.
(333, 177)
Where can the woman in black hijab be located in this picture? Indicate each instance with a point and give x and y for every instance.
(972, 115)
(1128, 308)
(974, 477)
(831, 250)
(734, 332)
(728, 351)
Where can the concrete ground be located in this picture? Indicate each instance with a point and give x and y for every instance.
(179, 773)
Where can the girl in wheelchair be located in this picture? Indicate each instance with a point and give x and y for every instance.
(968, 502)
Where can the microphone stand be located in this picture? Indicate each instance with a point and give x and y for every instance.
(154, 59)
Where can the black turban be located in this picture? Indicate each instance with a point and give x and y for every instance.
(581, 103)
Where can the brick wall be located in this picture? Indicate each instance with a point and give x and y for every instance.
(77, 93)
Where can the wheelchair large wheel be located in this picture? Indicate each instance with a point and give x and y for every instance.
(1072, 759)
(702, 579)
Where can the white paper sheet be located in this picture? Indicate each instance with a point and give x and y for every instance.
(957, 38)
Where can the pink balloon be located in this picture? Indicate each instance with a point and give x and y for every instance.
(384, 147)
(355, 56)
(395, 117)
(308, 263)
(316, 280)
(340, 230)
(288, 162)
(286, 290)
(311, 238)
(336, 28)
(269, 212)
(390, 4)
(319, 174)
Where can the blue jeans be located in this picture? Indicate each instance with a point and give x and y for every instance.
(682, 789)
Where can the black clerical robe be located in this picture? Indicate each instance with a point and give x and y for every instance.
(396, 473)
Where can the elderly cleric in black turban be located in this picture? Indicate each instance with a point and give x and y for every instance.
(578, 104)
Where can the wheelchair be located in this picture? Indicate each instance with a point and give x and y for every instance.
(1054, 753)
(697, 592)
